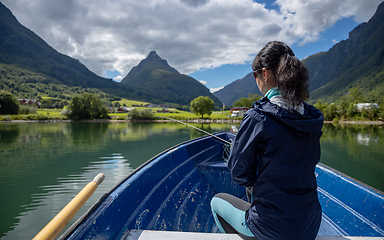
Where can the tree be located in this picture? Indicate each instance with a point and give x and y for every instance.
(321, 106)
(8, 103)
(202, 105)
(355, 95)
(87, 106)
(330, 112)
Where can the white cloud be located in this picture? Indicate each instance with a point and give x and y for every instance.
(212, 90)
(189, 34)
(118, 78)
(307, 19)
(203, 82)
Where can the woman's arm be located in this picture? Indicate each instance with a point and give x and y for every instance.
(243, 161)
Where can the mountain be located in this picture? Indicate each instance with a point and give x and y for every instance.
(23, 50)
(162, 81)
(238, 89)
(357, 62)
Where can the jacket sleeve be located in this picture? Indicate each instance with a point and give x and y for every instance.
(243, 161)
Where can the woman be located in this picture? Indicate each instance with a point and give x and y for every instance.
(275, 152)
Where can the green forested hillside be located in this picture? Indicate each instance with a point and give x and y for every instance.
(357, 62)
(24, 83)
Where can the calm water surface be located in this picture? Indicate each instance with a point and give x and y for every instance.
(44, 165)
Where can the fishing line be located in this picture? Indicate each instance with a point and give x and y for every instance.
(225, 141)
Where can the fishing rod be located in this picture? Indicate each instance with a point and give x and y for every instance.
(210, 134)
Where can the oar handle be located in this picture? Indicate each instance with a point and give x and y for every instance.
(57, 224)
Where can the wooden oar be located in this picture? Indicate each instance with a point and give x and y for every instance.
(57, 224)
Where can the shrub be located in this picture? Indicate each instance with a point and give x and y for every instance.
(5, 118)
(335, 120)
(147, 114)
(24, 109)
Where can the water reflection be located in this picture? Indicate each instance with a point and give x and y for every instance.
(53, 198)
(356, 150)
(88, 135)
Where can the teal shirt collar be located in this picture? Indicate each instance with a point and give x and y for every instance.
(273, 92)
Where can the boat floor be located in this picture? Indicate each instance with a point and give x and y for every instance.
(171, 235)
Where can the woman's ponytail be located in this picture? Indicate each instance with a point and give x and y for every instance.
(292, 79)
(291, 75)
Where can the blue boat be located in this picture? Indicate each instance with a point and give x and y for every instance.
(172, 192)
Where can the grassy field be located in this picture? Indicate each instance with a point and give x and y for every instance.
(42, 114)
(174, 113)
(52, 112)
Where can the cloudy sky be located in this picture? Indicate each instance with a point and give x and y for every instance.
(213, 41)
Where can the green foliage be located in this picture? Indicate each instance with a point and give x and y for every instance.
(24, 109)
(331, 112)
(146, 114)
(202, 105)
(247, 102)
(87, 106)
(321, 106)
(8, 103)
(346, 108)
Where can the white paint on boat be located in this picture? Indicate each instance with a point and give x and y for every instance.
(172, 235)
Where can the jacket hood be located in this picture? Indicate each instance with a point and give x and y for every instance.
(311, 120)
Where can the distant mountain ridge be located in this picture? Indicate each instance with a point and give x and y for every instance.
(238, 89)
(152, 62)
(162, 81)
(355, 62)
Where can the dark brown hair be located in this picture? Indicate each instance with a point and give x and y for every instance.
(290, 74)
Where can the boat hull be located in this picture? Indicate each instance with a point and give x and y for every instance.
(172, 192)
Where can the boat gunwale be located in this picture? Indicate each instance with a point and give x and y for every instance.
(351, 179)
(85, 216)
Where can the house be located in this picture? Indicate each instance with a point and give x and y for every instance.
(163, 110)
(239, 109)
(362, 106)
(151, 105)
(30, 102)
(124, 109)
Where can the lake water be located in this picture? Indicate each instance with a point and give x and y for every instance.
(44, 165)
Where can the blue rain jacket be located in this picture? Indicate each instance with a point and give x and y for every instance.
(276, 152)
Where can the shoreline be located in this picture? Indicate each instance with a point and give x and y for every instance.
(188, 121)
